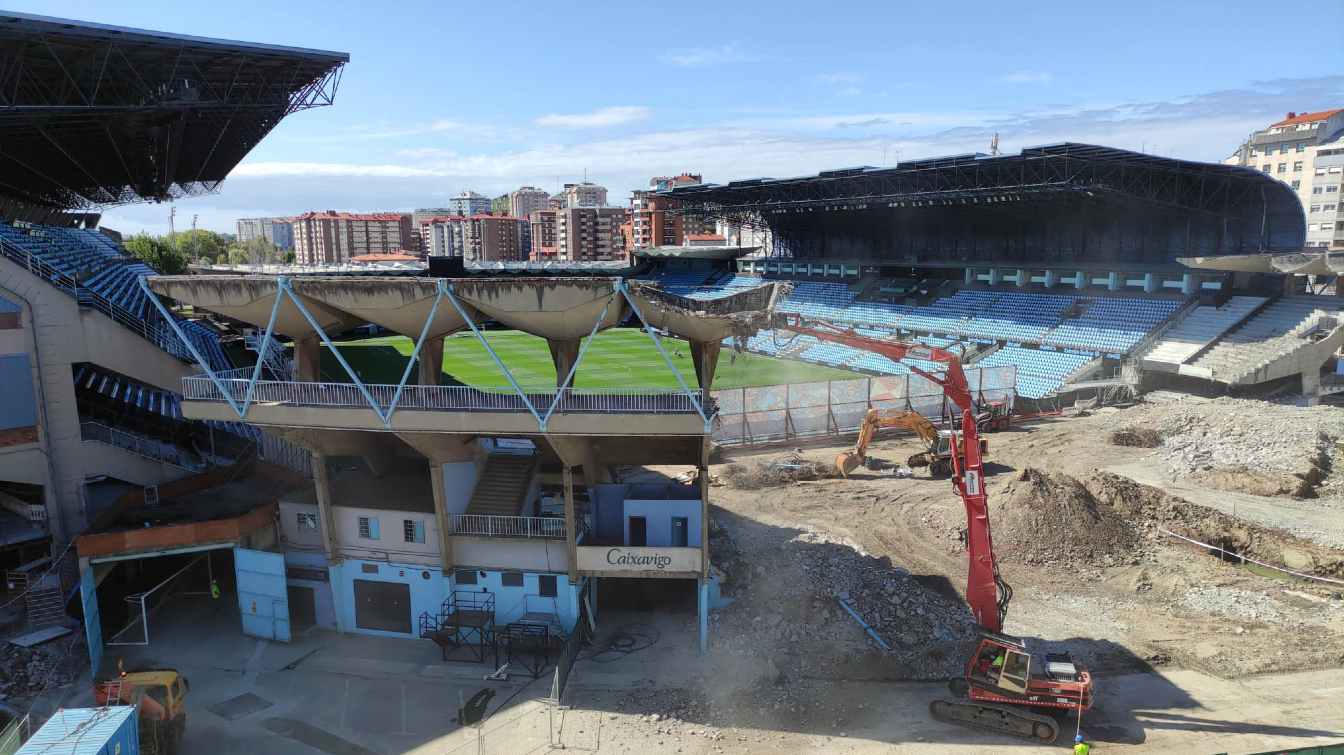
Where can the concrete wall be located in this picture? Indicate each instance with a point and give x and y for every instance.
(537, 555)
(459, 479)
(294, 536)
(427, 594)
(390, 545)
(512, 602)
(658, 520)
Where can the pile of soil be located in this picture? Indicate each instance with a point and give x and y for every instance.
(1042, 518)
(1137, 437)
(754, 475)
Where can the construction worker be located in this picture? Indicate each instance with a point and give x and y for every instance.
(998, 660)
(1079, 746)
(214, 589)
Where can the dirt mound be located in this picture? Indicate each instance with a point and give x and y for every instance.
(1149, 508)
(1243, 480)
(1138, 437)
(1043, 518)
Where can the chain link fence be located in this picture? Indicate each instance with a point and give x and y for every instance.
(774, 413)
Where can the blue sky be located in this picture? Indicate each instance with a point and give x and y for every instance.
(440, 97)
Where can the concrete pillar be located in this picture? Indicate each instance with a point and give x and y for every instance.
(1311, 385)
(563, 354)
(1289, 285)
(704, 521)
(1113, 282)
(308, 359)
(703, 603)
(441, 517)
(571, 526)
(705, 355)
(994, 276)
(430, 366)
(1189, 285)
(1339, 285)
(1051, 278)
(1023, 278)
(326, 524)
(1149, 283)
(1080, 280)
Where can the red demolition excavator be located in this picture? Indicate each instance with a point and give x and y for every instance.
(1006, 689)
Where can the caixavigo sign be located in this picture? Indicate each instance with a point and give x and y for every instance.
(631, 559)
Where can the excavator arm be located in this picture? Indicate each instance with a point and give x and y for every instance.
(878, 419)
(986, 592)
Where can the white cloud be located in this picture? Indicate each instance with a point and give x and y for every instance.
(692, 57)
(850, 91)
(1027, 77)
(838, 78)
(600, 118)
(262, 169)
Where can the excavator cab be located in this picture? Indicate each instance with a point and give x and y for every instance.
(1003, 667)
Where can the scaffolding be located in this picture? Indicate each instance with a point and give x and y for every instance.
(464, 627)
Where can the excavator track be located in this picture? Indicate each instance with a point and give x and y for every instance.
(1000, 719)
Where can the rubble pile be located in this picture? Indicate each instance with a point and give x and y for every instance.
(754, 474)
(793, 602)
(1042, 518)
(1242, 445)
(26, 672)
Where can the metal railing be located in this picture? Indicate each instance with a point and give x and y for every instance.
(440, 397)
(140, 445)
(489, 525)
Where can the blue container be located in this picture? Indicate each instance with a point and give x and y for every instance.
(87, 731)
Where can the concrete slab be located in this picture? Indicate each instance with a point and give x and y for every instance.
(399, 304)
(40, 636)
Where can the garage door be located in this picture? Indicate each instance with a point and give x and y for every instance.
(385, 606)
(262, 593)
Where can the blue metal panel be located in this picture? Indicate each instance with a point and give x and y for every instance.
(93, 626)
(87, 731)
(17, 408)
(262, 594)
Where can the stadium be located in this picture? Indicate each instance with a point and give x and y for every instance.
(465, 458)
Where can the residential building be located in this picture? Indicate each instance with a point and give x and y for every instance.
(334, 237)
(1306, 151)
(651, 223)
(500, 205)
(418, 219)
(469, 203)
(444, 235)
(276, 231)
(491, 238)
(585, 194)
(590, 233)
(542, 224)
(556, 202)
(526, 200)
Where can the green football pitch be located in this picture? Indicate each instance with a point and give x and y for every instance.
(618, 358)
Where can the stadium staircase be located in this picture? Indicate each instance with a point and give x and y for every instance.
(1293, 335)
(46, 607)
(1200, 328)
(503, 484)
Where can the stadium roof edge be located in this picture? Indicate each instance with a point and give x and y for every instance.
(90, 28)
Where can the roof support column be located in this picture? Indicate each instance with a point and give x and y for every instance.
(571, 526)
(441, 517)
(326, 525)
(564, 354)
(430, 365)
(440, 449)
(705, 355)
(308, 359)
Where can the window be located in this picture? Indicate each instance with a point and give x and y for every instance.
(1283, 167)
(307, 521)
(1336, 168)
(1297, 185)
(464, 577)
(1328, 207)
(1297, 166)
(1315, 190)
(1315, 208)
(368, 527)
(1331, 189)
(413, 530)
(1301, 146)
(1266, 167)
(511, 579)
(1320, 171)
(546, 586)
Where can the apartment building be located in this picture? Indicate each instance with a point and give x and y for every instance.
(585, 194)
(526, 200)
(279, 232)
(652, 222)
(491, 238)
(333, 237)
(542, 224)
(469, 203)
(589, 233)
(1306, 151)
(444, 235)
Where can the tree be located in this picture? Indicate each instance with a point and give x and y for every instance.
(157, 253)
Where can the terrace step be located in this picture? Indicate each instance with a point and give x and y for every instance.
(502, 485)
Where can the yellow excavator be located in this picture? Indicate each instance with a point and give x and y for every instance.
(937, 455)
